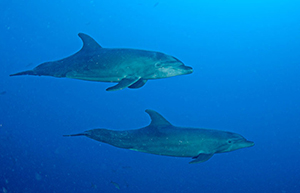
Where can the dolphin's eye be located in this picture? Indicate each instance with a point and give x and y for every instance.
(158, 64)
(229, 141)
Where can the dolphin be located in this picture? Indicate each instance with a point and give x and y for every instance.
(128, 67)
(163, 138)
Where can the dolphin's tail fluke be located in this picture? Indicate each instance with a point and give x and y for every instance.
(28, 72)
(73, 135)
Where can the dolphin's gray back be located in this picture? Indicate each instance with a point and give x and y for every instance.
(103, 63)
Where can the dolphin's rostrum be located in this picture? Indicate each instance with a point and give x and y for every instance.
(128, 67)
(162, 138)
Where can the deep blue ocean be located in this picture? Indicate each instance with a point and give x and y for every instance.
(246, 79)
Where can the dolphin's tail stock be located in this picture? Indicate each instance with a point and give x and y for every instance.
(28, 72)
(74, 135)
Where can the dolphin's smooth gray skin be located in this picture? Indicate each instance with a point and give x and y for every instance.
(128, 67)
(162, 138)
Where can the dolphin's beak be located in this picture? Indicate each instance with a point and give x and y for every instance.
(249, 143)
(188, 69)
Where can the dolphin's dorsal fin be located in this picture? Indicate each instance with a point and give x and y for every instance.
(157, 119)
(89, 44)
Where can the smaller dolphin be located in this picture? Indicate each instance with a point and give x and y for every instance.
(116, 185)
(128, 67)
(162, 138)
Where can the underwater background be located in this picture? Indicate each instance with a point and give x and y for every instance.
(246, 79)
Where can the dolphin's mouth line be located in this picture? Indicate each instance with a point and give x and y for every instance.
(174, 62)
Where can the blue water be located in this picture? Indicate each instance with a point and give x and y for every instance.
(246, 61)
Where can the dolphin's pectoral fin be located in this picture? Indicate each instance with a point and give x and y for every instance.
(202, 157)
(124, 83)
(141, 82)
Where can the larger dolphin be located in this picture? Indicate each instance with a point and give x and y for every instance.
(127, 67)
(162, 138)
